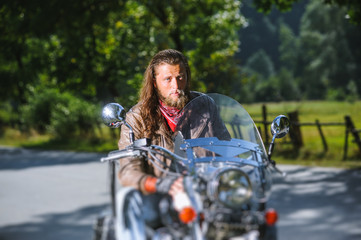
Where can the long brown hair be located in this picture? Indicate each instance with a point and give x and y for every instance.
(148, 95)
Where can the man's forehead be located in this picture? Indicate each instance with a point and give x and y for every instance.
(181, 66)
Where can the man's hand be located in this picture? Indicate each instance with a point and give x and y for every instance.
(170, 184)
(176, 187)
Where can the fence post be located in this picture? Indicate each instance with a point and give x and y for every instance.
(259, 130)
(264, 114)
(345, 148)
(325, 147)
(295, 132)
(350, 127)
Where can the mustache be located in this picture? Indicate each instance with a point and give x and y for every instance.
(180, 92)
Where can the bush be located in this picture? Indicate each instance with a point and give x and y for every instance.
(352, 93)
(8, 118)
(61, 114)
(335, 94)
(75, 118)
(37, 113)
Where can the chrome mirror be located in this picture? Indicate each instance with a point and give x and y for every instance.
(113, 115)
(280, 126)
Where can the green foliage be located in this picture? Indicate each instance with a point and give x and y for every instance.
(37, 113)
(96, 51)
(288, 47)
(325, 51)
(335, 94)
(260, 63)
(60, 114)
(266, 5)
(352, 90)
(99, 50)
(8, 118)
(312, 152)
(267, 85)
(319, 52)
(353, 7)
(76, 117)
(287, 86)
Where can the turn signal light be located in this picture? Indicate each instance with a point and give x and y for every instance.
(187, 214)
(271, 217)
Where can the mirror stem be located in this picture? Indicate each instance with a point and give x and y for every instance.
(269, 157)
(131, 133)
(270, 149)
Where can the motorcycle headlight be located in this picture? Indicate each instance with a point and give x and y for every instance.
(231, 187)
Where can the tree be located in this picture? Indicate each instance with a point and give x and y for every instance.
(99, 49)
(321, 53)
(288, 48)
(353, 7)
(325, 60)
(260, 32)
(260, 63)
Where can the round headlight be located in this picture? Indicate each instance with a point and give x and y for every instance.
(231, 187)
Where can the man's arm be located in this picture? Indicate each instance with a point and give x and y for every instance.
(132, 170)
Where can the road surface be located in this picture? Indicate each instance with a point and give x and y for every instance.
(55, 195)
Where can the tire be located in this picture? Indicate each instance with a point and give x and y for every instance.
(268, 233)
(103, 228)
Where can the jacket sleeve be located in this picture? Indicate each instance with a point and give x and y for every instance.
(131, 170)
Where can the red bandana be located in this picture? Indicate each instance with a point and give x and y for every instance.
(171, 114)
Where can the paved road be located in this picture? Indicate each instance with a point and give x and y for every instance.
(50, 195)
(318, 203)
(57, 195)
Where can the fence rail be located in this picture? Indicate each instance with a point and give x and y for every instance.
(296, 135)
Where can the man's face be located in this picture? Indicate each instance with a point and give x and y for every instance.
(170, 82)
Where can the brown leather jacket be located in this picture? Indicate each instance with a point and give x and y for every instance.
(133, 172)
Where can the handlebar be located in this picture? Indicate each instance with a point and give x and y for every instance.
(136, 149)
(142, 148)
(115, 155)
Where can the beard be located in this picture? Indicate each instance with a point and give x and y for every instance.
(179, 103)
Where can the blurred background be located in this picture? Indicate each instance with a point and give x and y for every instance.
(61, 61)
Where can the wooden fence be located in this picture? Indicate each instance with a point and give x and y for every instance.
(296, 134)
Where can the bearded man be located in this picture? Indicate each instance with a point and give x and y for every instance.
(164, 94)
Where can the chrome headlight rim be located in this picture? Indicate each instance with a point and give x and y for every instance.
(213, 191)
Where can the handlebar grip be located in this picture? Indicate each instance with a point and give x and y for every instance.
(115, 155)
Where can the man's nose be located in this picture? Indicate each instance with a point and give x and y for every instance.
(175, 83)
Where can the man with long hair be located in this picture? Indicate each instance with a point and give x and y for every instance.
(165, 92)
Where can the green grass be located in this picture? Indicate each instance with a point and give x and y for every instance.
(311, 154)
(104, 141)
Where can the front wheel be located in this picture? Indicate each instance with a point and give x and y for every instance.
(268, 232)
(129, 222)
(103, 228)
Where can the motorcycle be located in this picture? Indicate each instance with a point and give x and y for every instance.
(227, 177)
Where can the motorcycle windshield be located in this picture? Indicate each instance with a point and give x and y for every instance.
(214, 134)
(222, 128)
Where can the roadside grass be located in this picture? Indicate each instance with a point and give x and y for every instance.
(311, 154)
(105, 140)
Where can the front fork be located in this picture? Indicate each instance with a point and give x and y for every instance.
(113, 185)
